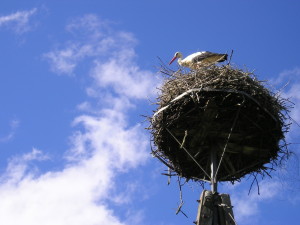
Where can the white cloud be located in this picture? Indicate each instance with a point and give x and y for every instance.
(78, 194)
(125, 77)
(19, 21)
(113, 55)
(292, 93)
(247, 207)
(18, 166)
(63, 61)
(109, 133)
(286, 76)
(104, 146)
(288, 82)
(14, 124)
(92, 39)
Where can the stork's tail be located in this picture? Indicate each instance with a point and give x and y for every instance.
(223, 57)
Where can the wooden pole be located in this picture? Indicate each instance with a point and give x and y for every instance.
(214, 184)
(213, 168)
(214, 208)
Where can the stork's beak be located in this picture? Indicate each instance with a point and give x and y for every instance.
(172, 60)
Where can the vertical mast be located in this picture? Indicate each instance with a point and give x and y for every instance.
(213, 168)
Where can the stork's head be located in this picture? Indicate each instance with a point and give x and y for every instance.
(176, 56)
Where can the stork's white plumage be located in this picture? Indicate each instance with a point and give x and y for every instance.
(199, 59)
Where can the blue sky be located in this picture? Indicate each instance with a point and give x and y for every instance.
(76, 76)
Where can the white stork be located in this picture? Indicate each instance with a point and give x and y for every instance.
(199, 59)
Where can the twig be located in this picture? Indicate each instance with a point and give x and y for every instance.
(188, 154)
(159, 158)
(169, 179)
(229, 135)
(255, 179)
(181, 201)
(281, 89)
(230, 57)
(183, 141)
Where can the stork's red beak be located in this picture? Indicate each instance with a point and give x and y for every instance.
(172, 60)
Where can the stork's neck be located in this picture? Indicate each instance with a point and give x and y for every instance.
(180, 60)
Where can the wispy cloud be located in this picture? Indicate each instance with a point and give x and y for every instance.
(18, 21)
(286, 76)
(124, 76)
(14, 124)
(104, 144)
(247, 207)
(19, 165)
(288, 82)
(92, 39)
(105, 148)
(113, 56)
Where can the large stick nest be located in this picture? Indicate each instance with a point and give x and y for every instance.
(221, 109)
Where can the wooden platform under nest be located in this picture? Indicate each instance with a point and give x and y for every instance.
(222, 109)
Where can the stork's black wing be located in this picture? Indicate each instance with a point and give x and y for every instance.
(209, 56)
